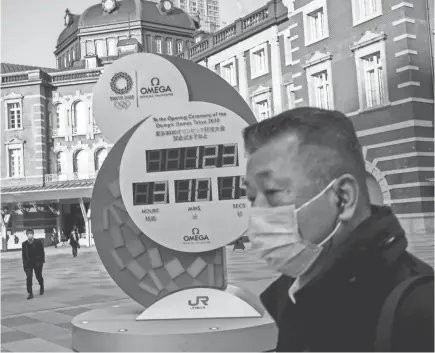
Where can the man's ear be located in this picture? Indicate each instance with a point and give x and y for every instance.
(347, 195)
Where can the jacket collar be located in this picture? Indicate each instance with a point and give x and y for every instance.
(373, 246)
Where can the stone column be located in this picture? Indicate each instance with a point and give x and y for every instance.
(276, 75)
(243, 77)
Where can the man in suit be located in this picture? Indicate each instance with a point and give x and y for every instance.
(33, 260)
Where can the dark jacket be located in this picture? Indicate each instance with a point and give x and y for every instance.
(339, 311)
(39, 253)
(74, 239)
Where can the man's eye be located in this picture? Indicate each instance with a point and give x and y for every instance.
(271, 192)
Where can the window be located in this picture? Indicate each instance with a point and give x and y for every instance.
(315, 22)
(364, 10)
(263, 110)
(169, 47)
(370, 62)
(373, 79)
(179, 46)
(14, 115)
(80, 164)
(291, 95)
(100, 156)
(60, 163)
(58, 121)
(228, 71)
(90, 48)
(112, 47)
(15, 162)
(79, 118)
(261, 102)
(259, 61)
(69, 58)
(101, 48)
(158, 42)
(319, 81)
(321, 89)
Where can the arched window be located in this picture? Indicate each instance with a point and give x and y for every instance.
(79, 118)
(80, 164)
(100, 156)
(60, 163)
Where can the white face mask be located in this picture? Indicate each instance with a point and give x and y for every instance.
(274, 234)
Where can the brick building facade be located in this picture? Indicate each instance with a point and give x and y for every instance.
(371, 60)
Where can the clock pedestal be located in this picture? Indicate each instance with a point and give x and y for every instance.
(236, 323)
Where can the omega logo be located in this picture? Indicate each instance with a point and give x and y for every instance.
(156, 88)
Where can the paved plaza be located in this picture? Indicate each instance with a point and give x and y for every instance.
(76, 285)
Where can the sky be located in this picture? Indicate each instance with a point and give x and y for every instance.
(29, 28)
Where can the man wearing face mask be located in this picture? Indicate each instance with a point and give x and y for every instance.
(348, 283)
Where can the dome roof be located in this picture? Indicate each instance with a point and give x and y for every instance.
(136, 10)
(144, 10)
(72, 28)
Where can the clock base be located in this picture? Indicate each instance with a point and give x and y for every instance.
(115, 329)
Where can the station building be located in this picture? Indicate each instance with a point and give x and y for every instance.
(372, 60)
(52, 148)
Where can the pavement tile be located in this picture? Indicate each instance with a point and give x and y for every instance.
(51, 317)
(44, 330)
(18, 321)
(73, 311)
(6, 329)
(66, 325)
(64, 342)
(34, 345)
(15, 336)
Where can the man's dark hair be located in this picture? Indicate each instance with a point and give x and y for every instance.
(30, 231)
(329, 130)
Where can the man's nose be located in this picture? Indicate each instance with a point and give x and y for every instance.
(260, 201)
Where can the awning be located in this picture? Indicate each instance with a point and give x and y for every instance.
(50, 192)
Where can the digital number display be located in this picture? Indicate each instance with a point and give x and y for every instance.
(192, 190)
(187, 158)
(231, 188)
(150, 193)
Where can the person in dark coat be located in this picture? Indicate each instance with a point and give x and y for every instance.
(74, 241)
(33, 255)
(348, 283)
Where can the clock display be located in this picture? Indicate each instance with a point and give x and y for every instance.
(187, 158)
(231, 188)
(150, 193)
(193, 190)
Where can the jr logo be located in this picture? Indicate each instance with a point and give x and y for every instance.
(200, 299)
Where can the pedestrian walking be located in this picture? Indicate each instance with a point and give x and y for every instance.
(74, 242)
(348, 283)
(33, 255)
(55, 238)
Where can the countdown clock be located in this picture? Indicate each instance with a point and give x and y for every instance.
(182, 178)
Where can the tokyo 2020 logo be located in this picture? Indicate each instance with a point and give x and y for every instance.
(121, 83)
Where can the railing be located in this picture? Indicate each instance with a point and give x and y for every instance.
(199, 48)
(56, 178)
(224, 35)
(83, 176)
(273, 12)
(255, 19)
(14, 78)
(71, 76)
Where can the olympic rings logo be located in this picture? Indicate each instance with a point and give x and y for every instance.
(122, 104)
(121, 76)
